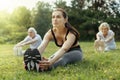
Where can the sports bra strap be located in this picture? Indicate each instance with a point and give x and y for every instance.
(65, 38)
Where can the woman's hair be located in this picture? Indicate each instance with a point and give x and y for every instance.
(67, 24)
(104, 24)
(31, 29)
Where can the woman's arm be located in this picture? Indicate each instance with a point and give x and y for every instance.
(98, 36)
(110, 37)
(66, 46)
(21, 43)
(46, 39)
(28, 40)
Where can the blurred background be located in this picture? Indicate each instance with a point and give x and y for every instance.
(16, 16)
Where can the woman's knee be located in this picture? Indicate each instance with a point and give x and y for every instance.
(96, 43)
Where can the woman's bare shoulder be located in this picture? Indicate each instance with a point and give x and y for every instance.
(48, 34)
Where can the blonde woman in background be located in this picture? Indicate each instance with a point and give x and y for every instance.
(33, 39)
(105, 38)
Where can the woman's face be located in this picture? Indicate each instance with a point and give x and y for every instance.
(104, 30)
(58, 19)
(31, 34)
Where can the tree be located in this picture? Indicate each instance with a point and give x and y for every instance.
(112, 10)
(41, 17)
(78, 4)
(20, 21)
(87, 15)
(21, 16)
(60, 4)
(4, 30)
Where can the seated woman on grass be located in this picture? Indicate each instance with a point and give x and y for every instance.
(66, 37)
(33, 39)
(105, 38)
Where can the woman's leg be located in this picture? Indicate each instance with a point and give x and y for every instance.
(96, 45)
(99, 45)
(111, 47)
(69, 57)
(102, 46)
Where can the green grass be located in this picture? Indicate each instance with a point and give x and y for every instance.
(95, 66)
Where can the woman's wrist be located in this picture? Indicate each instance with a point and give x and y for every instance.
(50, 62)
(23, 44)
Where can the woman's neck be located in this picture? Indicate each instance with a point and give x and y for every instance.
(60, 29)
(104, 35)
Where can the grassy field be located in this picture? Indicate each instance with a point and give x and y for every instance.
(95, 66)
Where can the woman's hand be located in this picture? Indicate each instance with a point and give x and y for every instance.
(44, 64)
(44, 59)
(20, 45)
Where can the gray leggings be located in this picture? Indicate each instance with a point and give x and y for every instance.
(71, 56)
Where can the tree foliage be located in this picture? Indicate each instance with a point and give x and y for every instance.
(84, 15)
(41, 17)
(87, 15)
(14, 25)
(21, 16)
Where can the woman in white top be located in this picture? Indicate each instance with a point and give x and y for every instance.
(105, 38)
(33, 39)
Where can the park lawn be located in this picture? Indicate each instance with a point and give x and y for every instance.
(95, 66)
